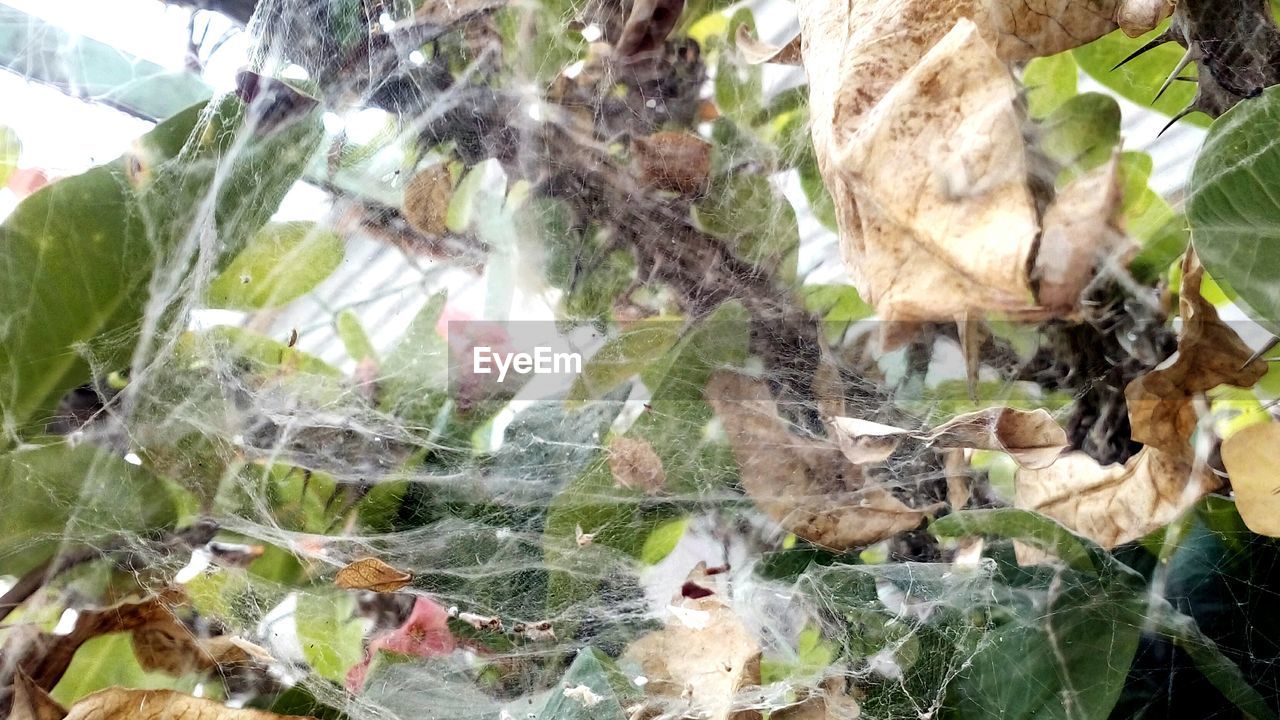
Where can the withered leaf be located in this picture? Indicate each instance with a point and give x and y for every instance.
(675, 161)
(648, 25)
(1252, 460)
(1115, 504)
(1210, 353)
(371, 574)
(44, 657)
(702, 658)
(31, 702)
(922, 150)
(806, 485)
(636, 466)
(1081, 233)
(757, 52)
(128, 704)
(1119, 503)
(169, 647)
(1031, 437)
(426, 200)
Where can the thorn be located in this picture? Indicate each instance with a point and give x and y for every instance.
(1181, 114)
(1182, 65)
(1271, 345)
(1157, 41)
(1187, 78)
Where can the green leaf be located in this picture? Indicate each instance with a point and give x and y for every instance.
(1081, 133)
(282, 262)
(80, 252)
(662, 540)
(108, 661)
(1050, 81)
(62, 495)
(1140, 79)
(10, 151)
(759, 223)
(1149, 220)
(624, 356)
(598, 673)
(354, 339)
(739, 86)
(415, 372)
(1026, 526)
(1234, 206)
(1216, 667)
(329, 633)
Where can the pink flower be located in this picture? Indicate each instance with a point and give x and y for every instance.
(424, 634)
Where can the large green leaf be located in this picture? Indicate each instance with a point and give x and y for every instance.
(78, 254)
(329, 632)
(624, 356)
(60, 495)
(1234, 206)
(1050, 82)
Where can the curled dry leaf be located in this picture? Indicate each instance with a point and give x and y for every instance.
(922, 149)
(832, 702)
(700, 660)
(757, 52)
(1118, 503)
(128, 704)
(1209, 354)
(675, 161)
(636, 466)
(806, 485)
(371, 574)
(1114, 504)
(1081, 233)
(31, 702)
(169, 647)
(1031, 437)
(1252, 459)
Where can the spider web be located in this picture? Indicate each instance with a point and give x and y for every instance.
(531, 530)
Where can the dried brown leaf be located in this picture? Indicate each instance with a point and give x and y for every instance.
(922, 150)
(1115, 504)
(1252, 459)
(128, 704)
(701, 659)
(1210, 353)
(426, 200)
(756, 51)
(675, 161)
(1031, 437)
(806, 485)
(1081, 232)
(31, 702)
(371, 574)
(636, 466)
(648, 25)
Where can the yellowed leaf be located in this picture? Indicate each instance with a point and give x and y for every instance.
(804, 484)
(128, 704)
(701, 659)
(832, 702)
(1210, 353)
(371, 574)
(1252, 459)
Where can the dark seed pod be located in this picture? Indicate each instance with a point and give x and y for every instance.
(674, 161)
